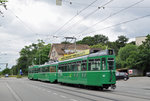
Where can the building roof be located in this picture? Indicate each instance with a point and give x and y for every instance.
(60, 47)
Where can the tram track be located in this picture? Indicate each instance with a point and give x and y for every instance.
(71, 93)
(129, 95)
(125, 94)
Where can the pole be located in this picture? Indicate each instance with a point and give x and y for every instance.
(75, 46)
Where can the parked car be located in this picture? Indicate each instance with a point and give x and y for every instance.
(6, 75)
(148, 74)
(122, 75)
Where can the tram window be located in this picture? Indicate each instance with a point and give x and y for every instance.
(89, 66)
(83, 66)
(32, 70)
(35, 70)
(46, 69)
(59, 68)
(103, 63)
(94, 64)
(79, 65)
(42, 69)
(74, 67)
(69, 67)
(53, 69)
(97, 64)
(110, 63)
(65, 68)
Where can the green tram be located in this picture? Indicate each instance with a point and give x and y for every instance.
(47, 72)
(96, 69)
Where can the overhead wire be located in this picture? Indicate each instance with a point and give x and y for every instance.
(109, 17)
(128, 21)
(78, 22)
(55, 33)
(112, 7)
(74, 16)
(22, 22)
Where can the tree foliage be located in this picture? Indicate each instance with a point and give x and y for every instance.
(103, 47)
(32, 54)
(41, 55)
(124, 53)
(6, 71)
(120, 42)
(97, 39)
(132, 56)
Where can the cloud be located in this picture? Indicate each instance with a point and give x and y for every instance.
(25, 21)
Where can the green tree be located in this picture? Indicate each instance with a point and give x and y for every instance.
(132, 56)
(100, 39)
(124, 54)
(14, 70)
(6, 71)
(30, 55)
(97, 39)
(120, 42)
(41, 55)
(103, 47)
(144, 55)
(87, 40)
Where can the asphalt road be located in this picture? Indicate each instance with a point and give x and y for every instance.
(13, 89)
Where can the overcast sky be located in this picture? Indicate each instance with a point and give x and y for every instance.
(25, 21)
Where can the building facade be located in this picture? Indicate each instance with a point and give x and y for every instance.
(139, 40)
(59, 50)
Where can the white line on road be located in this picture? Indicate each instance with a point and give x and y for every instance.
(73, 100)
(55, 93)
(43, 89)
(63, 96)
(14, 94)
(49, 91)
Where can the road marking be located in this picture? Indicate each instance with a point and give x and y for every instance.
(55, 93)
(49, 91)
(43, 89)
(73, 100)
(14, 94)
(63, 96)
